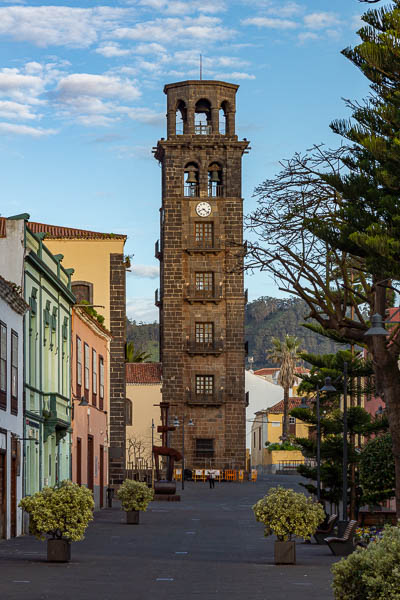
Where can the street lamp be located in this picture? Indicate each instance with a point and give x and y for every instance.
(176, 424)
(377, 327)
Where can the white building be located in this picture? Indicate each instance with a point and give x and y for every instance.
(12, 310)
(262, 395)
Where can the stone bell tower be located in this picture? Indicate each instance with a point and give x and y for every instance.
(201, 297)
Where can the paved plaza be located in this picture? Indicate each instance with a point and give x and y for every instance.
(206, 547)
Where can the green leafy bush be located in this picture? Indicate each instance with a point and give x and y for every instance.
(287, 513)
(377, 473)
(284, 446)
(62, 511)
(372, 573)
(135, 495)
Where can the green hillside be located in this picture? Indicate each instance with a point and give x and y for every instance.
(264, 318)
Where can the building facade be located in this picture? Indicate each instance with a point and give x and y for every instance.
(99, 279)
(46, 286)
(90, 356)
(201, 297)
(12, 311)
(143, 396)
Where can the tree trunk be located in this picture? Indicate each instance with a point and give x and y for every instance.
(391, 389)
(285, 423)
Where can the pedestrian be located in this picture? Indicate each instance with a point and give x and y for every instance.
(211, 478)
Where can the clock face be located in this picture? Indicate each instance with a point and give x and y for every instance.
(203, 209)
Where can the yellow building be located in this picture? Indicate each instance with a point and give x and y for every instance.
(99, 279)
(267, 427)
(143, 392)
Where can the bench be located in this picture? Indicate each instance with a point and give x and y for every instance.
(323, 532)
(343, 546)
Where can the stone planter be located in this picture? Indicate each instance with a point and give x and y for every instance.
(285, 553)
(132, 517)
(58, 550)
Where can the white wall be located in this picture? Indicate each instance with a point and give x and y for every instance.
(262, 394)
(12, 252)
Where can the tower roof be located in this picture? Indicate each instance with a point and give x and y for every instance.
(199, 83)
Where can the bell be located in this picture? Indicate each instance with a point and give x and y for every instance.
(191, 178)
(214, 176)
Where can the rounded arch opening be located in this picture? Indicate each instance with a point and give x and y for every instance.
(215, 180)
(202, 117)
(223, 112)
(191, 180)
(180, 118)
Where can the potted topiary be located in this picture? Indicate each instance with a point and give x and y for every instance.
(62, 512)
(370, 573)
(135, 496)
(287, 513)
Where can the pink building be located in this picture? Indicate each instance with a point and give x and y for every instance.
(90, 365)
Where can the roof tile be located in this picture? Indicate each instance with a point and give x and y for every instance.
(55, 231)
(278, 408)
(143, 372)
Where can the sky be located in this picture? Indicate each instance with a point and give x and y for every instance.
(82, 104)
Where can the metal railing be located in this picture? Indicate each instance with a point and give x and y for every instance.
(215, 191)
(213, 399)
(157, 298)
(202, 129)
(212, 293)
(191, 190)
(201, 244)
(157, 249)
(213, 347)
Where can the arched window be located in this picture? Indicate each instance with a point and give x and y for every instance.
(202, 117)
(181, 118)
(222, 118)
(191, 180)
(82, 290)
(128, 412)
(215, 183)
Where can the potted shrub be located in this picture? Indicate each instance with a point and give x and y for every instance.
(135, 496)
(371, 573)
(60, 513)
(286, 514)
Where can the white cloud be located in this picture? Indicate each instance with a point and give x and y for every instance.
(145, 271)
(307, 35)
(321, 20)
(187, 29)
(11, 128)
(111, 49)
(15, 111)
(142, 309)
(235, 76)
(271, 23)
(89, 88)
(290, 9)
(178, 7)
(59, 25)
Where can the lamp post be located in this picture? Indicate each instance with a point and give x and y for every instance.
(176, 424)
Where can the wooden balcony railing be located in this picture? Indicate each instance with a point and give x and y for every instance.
(214, 399)
(211, 294)
(215, 347)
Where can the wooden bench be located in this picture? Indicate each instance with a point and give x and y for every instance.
(322, 533)
(343, 546)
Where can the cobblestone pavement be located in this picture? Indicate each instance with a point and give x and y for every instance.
(206, 547)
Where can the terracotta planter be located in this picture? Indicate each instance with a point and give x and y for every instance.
(132, 517)
(285, 553)
(58, 550)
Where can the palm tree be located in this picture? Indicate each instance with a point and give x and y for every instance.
(286, 354)
(132, 355)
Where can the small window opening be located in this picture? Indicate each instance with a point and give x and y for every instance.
(191, 180)
(202, 119)
(181, 118)
(215, 187)
(222, 118)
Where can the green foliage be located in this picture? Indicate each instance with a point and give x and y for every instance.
(372, 573)
(268, 317)
(145, 337)
(135, 495)
(135, 356)
(286, 445)
(92, 312)
(62, 511)
(377, 472)
(287, 513)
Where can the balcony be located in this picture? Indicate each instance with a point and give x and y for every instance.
(214, 399)
(215, 347)
(158, 250)
(211, 294)
(158, 298)
(196, 246)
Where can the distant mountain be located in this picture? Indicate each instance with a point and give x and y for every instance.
(265, 318)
